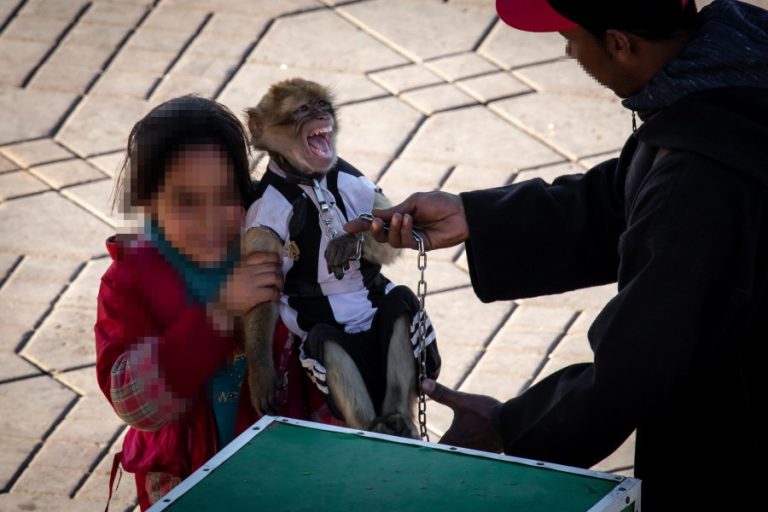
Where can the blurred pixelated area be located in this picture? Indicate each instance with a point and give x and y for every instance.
(433, 94)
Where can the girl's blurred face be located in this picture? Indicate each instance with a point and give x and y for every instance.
(198, 207)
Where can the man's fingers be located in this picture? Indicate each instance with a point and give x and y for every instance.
(258, 257)
(441, 394)
(357, 226)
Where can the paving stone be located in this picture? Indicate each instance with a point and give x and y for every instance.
(173, 86)
(63, 78)
(125, 84)
(28, 53)
(309, 40)
(17, 322)
(83, 381)
(269, 9)
(442, 275)
(529, 318)
(14, 73)
(456, 361)
(439, 97)
(510, 48)
(38, 280)
(6, 165)
(13, 366)
(460, 319)
(96, 198)
(84, 56)
(574, 349)
(591, 162)
(549, 173)
(53, 8)
(101, 124)
(501, 386)
(39, 400)
(19, 183)
(35, 28)
(110, 163)
(584, 321)
(48, 480)
(29, 114)
(370, 164)
(64, 340)
(587, 298)
(15, 451)
(229, 23)
(91, 420)
(403, 78)
(565, 77)
(66, 455)
(34, 152)
(178, 18)
(561, 121)
(53, 225)
(218, 44)
(456, 67)
(621, 459)
(467, 177)
(204, 65)
(142, 60)
(63, 174)
(97, 486)
(367, 134)
(115, 13)
(8, 262)
(475, 136)
(439, 418)
(404, 177)
(159, 39)
(25, 502)
(394, 21)
(494, 86)
(97, 34)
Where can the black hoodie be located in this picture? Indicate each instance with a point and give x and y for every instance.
(684, 232)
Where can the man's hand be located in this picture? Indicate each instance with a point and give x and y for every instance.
(439, 216)
(472, 425)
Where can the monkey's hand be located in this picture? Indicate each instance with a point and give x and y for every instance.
(340, 251)
(263, 386)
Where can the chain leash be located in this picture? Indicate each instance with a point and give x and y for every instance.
(421, 293)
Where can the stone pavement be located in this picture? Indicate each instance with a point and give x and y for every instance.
(434, 95)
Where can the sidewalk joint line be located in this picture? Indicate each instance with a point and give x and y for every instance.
(8, 273)
(100, 457)
(64, 33)
(261, 34)
(480, 353)
(552, 346)
(401, 147)
(12, 15)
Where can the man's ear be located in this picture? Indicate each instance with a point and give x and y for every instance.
(618, 45)
(255, 122)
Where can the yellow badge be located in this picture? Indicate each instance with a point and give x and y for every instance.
(293, 251)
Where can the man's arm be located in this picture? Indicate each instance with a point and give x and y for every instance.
(532, 238)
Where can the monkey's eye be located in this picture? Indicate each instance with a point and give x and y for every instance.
(301, 110)
(322, 103)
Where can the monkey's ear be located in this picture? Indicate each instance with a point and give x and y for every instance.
(255, 122)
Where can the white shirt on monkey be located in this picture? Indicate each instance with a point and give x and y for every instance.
(348, 298)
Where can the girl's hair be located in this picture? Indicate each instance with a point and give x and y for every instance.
(168, 128)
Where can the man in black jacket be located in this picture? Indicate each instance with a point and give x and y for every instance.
(680, 220)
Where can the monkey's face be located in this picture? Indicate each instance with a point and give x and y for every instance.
(297, 121)
(315, 124)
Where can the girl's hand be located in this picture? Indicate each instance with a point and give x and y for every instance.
(257, 279)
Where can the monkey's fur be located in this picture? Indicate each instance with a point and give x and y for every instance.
(290, 123)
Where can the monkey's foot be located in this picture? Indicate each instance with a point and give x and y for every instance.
(394, 424)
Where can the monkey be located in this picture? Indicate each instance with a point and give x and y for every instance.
(357, 329)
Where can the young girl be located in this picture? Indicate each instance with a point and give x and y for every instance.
(168, 357)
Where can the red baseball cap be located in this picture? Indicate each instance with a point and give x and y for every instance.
(561, 15)
(532, 16)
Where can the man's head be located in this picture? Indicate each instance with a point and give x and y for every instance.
(621, 43)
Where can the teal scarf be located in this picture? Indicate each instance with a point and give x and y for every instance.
(202, 284)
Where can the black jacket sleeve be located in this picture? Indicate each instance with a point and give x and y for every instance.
(532, 238)
(684, 277)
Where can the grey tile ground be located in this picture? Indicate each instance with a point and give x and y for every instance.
(516, 110)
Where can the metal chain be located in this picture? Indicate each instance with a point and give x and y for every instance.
(421, 293)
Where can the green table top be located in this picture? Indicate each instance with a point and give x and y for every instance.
(288, 467)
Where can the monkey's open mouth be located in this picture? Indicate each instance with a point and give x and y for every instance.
(319, 141)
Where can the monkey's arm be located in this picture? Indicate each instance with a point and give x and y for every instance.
(259, 326)
(343, 249)
(373, 251)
